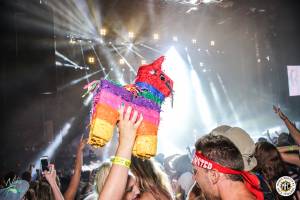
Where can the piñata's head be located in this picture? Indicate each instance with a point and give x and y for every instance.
(152, 78)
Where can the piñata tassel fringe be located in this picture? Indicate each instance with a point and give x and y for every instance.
(90, 87)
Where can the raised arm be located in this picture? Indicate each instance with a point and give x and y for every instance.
(291, 158)
(288, 148)
(292, 128)
(51, 178)
(115, 184)
(75, 180)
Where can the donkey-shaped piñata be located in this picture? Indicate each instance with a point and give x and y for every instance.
(146, 95)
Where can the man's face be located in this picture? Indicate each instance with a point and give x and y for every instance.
(201, 177)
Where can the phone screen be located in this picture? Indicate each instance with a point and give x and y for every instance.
(44, 163)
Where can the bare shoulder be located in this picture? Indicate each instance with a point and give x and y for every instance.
(149, 196)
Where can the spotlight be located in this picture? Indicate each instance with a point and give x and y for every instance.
(143, 62)
(212, 43)
(91, 60)
(123, 69)
(155, 36)
(201, 64)
(194, 41)
(103, 31)
(175, 39)
(131, 35)
(72, 41)
(122, 61)
(111, 69)
(204, 70)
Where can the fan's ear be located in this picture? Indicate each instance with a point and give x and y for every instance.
(213, 176)
(157, 63)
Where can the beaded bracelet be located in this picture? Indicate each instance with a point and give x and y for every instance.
(121, 161)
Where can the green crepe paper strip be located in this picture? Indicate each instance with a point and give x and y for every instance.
(150, 96)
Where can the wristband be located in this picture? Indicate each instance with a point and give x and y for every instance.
(291, 148)
(121, 161)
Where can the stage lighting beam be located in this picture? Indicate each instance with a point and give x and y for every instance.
(50, 150)
(126, 62)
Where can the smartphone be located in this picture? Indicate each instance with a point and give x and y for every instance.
(44, 163)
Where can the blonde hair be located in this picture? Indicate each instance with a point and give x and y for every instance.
(151, 178)
(101, 176)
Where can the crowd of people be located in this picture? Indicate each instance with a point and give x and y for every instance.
(223, 164)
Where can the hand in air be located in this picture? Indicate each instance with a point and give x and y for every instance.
(128, 126)
(279, 112)
(82, 144)
(51, 174)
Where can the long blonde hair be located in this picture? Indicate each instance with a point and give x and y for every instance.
(151, 178)
(101, 176)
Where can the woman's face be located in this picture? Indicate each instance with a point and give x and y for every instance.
(132, 190)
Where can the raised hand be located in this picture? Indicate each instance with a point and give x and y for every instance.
(115, 183)
(82, 143)
(51, 178)
(279, 112)
(128, 126)
(51, 174)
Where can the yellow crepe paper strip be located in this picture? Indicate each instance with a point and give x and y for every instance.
(100, 132)
(145, 146)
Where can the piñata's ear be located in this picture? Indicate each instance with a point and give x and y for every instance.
(157, 63)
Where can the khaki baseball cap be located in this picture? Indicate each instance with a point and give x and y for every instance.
(242, 140)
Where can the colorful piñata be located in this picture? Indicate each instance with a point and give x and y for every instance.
(146, 95)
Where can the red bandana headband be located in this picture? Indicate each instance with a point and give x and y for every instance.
(251, 181)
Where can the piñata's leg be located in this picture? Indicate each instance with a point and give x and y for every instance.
(102, 125)
(146, 142)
